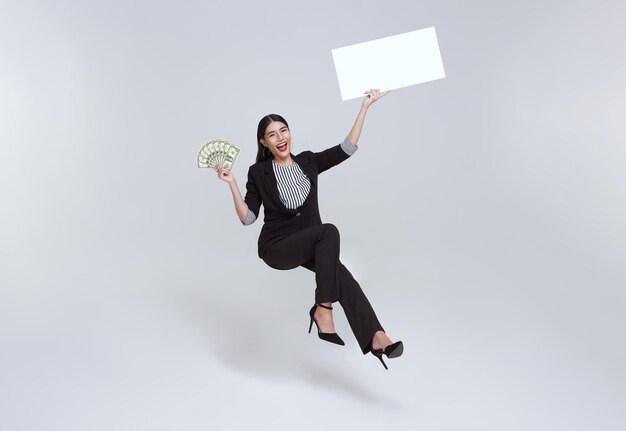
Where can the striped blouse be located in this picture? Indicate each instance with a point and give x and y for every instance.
(293, 184)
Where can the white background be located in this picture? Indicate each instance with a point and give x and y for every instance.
(483, 215)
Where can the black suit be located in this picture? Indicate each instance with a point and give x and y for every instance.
(292, 238)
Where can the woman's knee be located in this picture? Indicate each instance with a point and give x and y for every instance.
(330, 230)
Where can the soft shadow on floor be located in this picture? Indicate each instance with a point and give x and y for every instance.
(249, 336)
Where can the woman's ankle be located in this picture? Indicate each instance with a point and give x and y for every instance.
(380, 340)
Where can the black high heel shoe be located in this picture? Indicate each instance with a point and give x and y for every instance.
(330, 337)
(392, 351)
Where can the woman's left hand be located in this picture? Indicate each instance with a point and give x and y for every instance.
(372, 96)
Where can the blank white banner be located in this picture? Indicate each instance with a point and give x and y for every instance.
(388, 63)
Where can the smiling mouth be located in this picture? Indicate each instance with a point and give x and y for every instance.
(282, 147)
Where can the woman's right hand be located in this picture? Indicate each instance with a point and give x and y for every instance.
(224, 174)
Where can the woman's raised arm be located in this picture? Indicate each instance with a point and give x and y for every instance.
(371, 96)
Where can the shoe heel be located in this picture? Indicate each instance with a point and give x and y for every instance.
(330, 337)
(379, 355)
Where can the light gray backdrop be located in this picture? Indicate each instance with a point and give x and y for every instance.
(483, 215)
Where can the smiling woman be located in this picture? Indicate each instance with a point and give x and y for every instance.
(273, 139)
(293, 234)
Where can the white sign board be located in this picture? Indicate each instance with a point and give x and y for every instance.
(388, 63)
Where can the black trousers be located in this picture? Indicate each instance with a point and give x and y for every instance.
(317, 249)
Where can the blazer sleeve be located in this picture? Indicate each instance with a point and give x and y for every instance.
(253, 197)
(328, 158)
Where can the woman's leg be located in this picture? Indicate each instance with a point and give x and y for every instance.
(319, 243)
(359, 311)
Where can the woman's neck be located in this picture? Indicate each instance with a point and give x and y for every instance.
(286, 162)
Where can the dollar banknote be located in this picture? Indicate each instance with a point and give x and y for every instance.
(230, 157)
(217, 152)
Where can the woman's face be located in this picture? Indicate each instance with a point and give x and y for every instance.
(277, 139)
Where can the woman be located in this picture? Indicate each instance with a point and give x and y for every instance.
(293, 234)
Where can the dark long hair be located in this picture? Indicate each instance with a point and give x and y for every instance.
(263, 153)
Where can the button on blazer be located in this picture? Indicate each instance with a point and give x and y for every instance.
(280, 221)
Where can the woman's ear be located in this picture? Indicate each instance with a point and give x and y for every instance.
(262, 141)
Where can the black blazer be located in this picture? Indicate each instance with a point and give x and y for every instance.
(279, 221)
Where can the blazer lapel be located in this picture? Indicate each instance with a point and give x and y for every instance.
(272, 185)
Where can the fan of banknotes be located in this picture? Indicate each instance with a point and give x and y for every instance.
(217, 152)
